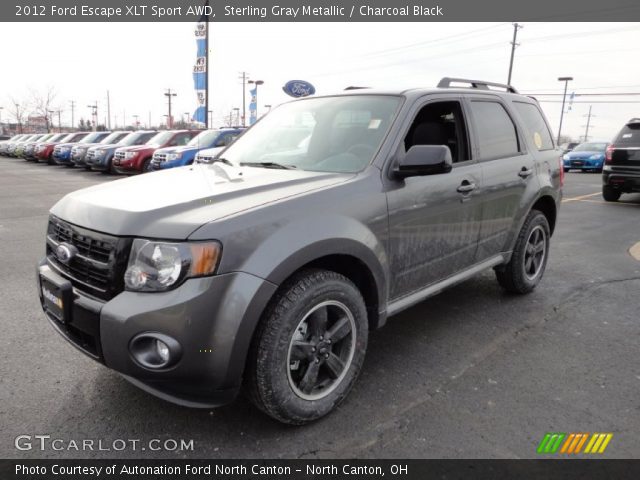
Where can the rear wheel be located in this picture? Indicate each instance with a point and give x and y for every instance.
(529, 258)
(610, 194)
(309, 348)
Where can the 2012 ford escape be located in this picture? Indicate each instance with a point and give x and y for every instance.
(268, 268)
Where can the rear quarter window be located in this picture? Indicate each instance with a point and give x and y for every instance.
(497, 134)
(535, 125)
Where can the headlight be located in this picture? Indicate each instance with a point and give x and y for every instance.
(130, 154)
(597, 156)
(566, 157)
(158, 266)
(98, 153)
(174, 156)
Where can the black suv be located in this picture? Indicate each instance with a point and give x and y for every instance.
(268, 267)
(621, 171)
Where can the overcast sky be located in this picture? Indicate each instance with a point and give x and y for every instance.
(136, 62)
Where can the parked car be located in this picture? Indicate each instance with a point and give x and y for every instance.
(621, 173)
(568, 147)
(19, 150)
(129, 160)
(44, 150)
(191, 281)
(5, 144)
(62, 152)
(79, 151)
(586, 156)
(171, 157)
(28, 149)
(17, 145)
(100, 158)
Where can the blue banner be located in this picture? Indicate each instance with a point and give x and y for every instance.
(253, 106)
(200, 72)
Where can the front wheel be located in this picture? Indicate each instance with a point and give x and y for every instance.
(309, 347)
(529, 258)
(146, 166)
(610, 194)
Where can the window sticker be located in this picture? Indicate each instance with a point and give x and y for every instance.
(537, 140)
(374, 124)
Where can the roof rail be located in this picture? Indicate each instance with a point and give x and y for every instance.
(479, 84)
(634, 120)
(353, 87)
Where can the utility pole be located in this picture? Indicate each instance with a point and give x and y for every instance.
(586, 132)
(169, 94)
(94, 115)
(73, 109)
(137, 123)
(516, 27)
(244, 78)
(149, 126)
(59, 121)
(108, 111)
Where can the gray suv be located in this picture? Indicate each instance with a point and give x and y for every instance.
(268, 268)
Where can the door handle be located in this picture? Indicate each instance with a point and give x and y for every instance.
(466, 187)
(525, 172)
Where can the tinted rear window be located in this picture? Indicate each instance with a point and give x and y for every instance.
(497, 136)
(537, 129)
(629, 135)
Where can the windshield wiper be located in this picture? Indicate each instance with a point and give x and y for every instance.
(268, 165)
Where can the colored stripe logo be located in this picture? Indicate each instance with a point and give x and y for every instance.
(573, 443)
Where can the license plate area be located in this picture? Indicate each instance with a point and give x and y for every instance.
(57, 298)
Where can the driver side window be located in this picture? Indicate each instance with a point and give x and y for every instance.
(440, 123)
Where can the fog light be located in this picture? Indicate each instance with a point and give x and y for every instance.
(163, 351)
(154, 350)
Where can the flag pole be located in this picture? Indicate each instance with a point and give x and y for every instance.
(206, 76)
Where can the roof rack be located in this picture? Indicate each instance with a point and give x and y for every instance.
(353, 87)
(479, 84)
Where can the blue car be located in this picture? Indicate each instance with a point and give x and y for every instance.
(586, 156)
(62, 152)
(171, 157)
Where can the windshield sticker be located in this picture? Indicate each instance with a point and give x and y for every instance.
(374, 123)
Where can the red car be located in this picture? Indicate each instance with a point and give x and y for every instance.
(137, 159)
(43, 151)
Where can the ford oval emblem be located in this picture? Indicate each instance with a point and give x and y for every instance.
(298, 88)
(65, 252)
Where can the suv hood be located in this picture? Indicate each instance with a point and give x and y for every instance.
(137, 148)
(181, 149)
(174, 203)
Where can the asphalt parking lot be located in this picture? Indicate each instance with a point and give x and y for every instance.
(471, 373)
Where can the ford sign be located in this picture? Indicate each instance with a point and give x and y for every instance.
(298, 88)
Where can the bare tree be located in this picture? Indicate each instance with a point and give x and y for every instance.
(42, 103)
(17, 111)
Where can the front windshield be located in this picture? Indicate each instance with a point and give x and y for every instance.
(135, 138)
(46, 137)
(160, 139)
(331, 134)
(57, 137)
(204, 139)
(112, 138)
(92, 137)
(591, 147)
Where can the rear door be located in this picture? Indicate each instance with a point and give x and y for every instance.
(508, 171)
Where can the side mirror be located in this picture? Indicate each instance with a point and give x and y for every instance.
(424, 160)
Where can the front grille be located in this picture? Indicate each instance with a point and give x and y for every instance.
(98, 267)
(206, 158)
(160, 157)
(119, 155)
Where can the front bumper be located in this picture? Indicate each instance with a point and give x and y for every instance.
(583, 164)
(63, 158)
(102, 163)
(77, 159)
(128, 165)
(212, 318)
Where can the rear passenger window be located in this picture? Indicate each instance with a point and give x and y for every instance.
(497, 136)
(537, 129)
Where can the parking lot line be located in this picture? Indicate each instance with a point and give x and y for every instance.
(611, 203)
(635, 251)
(575, 199)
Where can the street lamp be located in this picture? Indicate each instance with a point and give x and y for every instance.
(254, 101)
(169, 94)
(566, 81)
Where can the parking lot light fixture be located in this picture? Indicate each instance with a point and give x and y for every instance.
(566, 81)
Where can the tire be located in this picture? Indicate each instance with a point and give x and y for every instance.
(529, 258)
(146, 166)
(610, 194)
(279, 374)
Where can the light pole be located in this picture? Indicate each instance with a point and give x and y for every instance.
(51, 112)
(566, 81)
(237, 110)
(170, 94)
(186, 118)
(18, 117)
(136, 125)
(254, 101)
